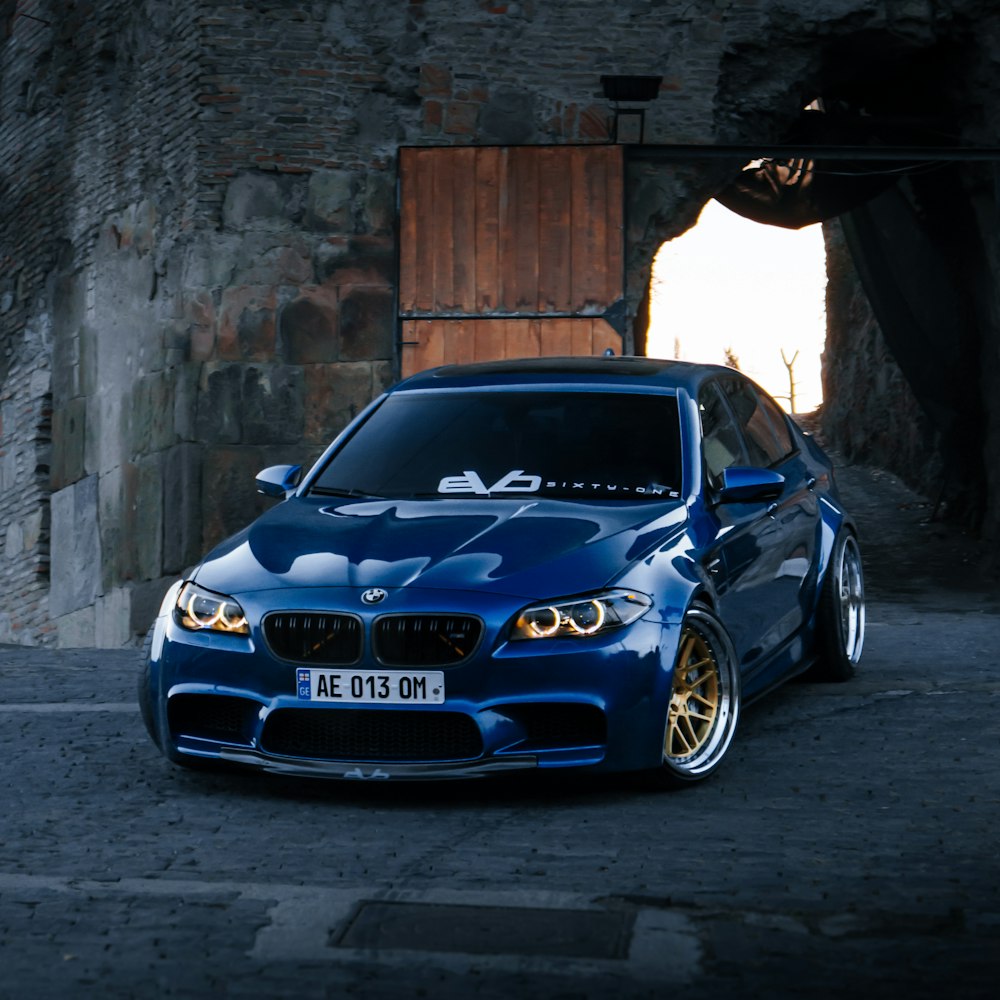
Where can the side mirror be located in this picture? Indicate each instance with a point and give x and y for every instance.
(278, 480)
(742, 484)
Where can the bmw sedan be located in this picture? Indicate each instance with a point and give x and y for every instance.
(587, 563)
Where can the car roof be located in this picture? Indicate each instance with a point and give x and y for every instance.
(633, 373)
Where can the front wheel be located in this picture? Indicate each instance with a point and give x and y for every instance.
(840, 617)
(704, 701)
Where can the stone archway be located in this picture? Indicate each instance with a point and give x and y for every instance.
(912, 353)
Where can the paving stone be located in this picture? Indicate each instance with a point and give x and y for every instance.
(849, 840)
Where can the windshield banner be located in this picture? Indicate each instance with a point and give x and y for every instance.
(516, 481)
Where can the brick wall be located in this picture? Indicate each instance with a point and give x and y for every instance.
(197, 235)
(98, 181)
(25, 401)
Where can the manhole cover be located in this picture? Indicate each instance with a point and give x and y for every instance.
(488, 930)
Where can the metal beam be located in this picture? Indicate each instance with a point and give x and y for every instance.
(766, 151)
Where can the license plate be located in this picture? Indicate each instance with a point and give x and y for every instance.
(372, 687)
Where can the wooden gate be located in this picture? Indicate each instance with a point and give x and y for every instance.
(509, 252)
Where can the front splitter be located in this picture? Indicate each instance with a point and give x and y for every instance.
(352, 770)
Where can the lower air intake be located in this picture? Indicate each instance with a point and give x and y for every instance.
(217, 717)
(371, 735)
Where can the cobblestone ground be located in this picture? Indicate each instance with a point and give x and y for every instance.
(848, 845)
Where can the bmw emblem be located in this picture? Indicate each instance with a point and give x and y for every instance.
(374, 595)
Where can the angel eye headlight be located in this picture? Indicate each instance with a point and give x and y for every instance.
(542, 622)
(199, 609)
(581, 617)
(587, 618)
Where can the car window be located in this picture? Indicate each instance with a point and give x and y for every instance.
(762, 444)
(493, 443)
(722, 445)
(779, 422)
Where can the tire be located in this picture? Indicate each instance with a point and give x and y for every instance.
(704, 703)
(840, 616)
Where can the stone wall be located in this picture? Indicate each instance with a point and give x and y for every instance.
(869, 413)
(98, 181)
(198, 232)
(984, 185)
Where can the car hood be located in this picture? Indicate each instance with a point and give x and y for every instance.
(527, 548)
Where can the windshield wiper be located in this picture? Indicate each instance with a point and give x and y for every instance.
(333, 491)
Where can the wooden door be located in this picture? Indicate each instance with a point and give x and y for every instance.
(509, 252)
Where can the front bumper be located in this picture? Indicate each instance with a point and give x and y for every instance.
(596, 702)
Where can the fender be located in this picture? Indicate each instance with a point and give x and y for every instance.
(831, 522)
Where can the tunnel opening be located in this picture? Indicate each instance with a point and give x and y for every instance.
(884, 158)
(895, 342)
(732, 291)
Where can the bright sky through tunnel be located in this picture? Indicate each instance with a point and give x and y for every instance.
(729, 283)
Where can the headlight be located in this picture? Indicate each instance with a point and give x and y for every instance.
(581, 616)
(199, 609)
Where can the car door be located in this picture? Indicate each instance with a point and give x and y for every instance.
(789, 556)
(757, 558)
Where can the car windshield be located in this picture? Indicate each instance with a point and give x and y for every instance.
(494, 443)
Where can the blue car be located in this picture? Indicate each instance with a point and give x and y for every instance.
(549, 563)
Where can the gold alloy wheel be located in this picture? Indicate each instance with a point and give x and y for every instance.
(694, 700)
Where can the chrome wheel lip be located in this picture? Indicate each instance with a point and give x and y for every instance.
(850, 589)
(710, 751)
